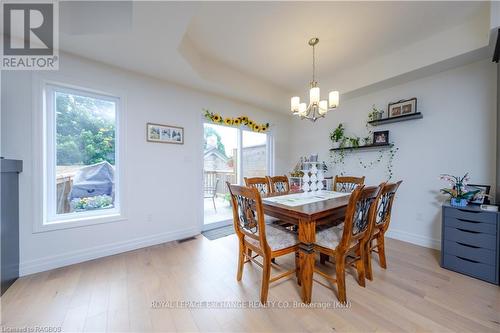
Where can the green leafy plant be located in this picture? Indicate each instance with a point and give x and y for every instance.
(457, 189)
(375, 114)
(338, 134)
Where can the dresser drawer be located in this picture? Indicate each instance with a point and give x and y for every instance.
(479, 216)
(470, 267)
(474, 238)
(482, 255)
(470, 225)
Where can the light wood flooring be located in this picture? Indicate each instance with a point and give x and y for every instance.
(116, 293)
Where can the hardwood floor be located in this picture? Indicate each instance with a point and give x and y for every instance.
(116, 294)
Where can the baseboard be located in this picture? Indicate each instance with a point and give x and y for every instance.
(414, 239)
(52, 262)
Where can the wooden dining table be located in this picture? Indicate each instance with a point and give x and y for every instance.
(306, 217)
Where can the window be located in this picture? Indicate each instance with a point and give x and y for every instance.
(81, 156)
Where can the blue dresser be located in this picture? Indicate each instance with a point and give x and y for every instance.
(470, 242)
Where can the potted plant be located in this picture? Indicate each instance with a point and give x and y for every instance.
(337, 136)
(459, 196)
(354, 142)
(375, 114)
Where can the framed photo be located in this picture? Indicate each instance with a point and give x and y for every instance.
(381, 138)
(164, 133)
(482, 196)
(402, 108)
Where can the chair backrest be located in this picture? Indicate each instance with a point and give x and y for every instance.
(248, 214)
(260, 183)
(347, 184)
(384, 205)
(360, 215)
(279, 184)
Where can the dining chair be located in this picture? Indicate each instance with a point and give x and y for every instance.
(279, 184)
(346, 242)
(347, 183)
(382, 220)
(260, 183)
(254, 235)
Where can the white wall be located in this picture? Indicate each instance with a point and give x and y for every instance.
(162, 180)
(456, 135)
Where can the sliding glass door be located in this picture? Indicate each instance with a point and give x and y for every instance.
(229, 155)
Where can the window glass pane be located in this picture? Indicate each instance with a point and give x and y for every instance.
(85, 153)
(254, 154)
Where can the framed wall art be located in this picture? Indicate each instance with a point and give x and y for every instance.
(164, 133)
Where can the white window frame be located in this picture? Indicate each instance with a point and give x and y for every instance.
(45, 190)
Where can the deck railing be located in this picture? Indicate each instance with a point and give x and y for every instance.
(210, 179)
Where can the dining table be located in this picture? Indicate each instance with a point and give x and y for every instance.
(307, 211)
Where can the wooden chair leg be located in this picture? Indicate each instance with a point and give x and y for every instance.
(249, 252)
(241, 262)
(323, 258)
(297, 267)
(381, 251)
(360, 264)
(340, 271)
(368, 261)
(266, 275)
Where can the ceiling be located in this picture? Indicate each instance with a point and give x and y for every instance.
(257, 52)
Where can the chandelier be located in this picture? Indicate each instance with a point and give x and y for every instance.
(317, 108)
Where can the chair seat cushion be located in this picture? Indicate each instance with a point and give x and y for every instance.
(330, 237)
(277, 238)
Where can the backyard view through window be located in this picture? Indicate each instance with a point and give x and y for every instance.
(85, 156)
(229, 155)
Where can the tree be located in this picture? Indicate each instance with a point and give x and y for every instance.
(208, 132)
(85, 130)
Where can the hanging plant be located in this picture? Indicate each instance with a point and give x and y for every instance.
(238, 121)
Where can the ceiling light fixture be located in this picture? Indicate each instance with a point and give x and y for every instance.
(317, 108)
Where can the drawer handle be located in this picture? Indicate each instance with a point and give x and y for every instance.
(465, 259)
(469, 231)
(468, 211)
(468, 221)
(463, 244)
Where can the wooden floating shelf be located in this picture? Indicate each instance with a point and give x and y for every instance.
(367, 147)
(412, 116)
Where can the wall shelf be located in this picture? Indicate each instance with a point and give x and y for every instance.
(367, 147)
(412, 116)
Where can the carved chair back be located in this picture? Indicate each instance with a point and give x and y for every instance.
(384, 205)
(360, 215)
(347, 184)
(248, 214)
(279, 184)
(260, 183)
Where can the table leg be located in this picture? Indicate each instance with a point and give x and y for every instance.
(307, 237)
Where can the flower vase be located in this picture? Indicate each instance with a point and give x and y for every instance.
(336, 145)
(458, 202)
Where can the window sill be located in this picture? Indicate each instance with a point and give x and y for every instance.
(78, 222)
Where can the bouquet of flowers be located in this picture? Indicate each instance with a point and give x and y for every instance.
(457, 190)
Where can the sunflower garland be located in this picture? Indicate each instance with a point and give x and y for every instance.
(243, 120)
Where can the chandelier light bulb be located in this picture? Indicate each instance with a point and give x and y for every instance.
(302, 109)
(314, 95)
(295, 102)
(333, 99)
(323, 107)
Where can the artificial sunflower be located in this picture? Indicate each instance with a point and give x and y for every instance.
(250, 123)
(216, 118)
(228, 121)
(244, 120)
(237, 121)
(256, 128)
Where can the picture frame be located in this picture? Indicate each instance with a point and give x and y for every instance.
(402, 108)
(380, 138)
(481, 197)
(164, 133)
